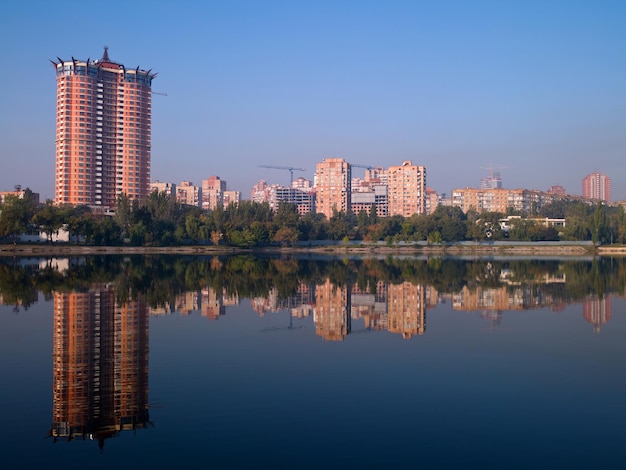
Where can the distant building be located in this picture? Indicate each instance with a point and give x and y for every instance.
(187, 193)
(213, 189)
(19, 192)
(597, 186)
(376, 175)
(162, 187)
(231, 197)
(557, 189)
(407, 187)
(103, 138)
(333, 178)
(258, 192)
(431, 201)
(493, 181)
(376, 195)
(303, 199)
(499, 200)
(302, 184)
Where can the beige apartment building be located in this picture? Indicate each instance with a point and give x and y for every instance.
(163, 187)
(499, 200)
(332, 183)
(407, 188)
(103, 131)
(187, 193)
(213, 189)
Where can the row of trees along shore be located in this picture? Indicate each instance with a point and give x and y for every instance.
(162, 221)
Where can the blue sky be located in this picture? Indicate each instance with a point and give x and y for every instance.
(535, 88)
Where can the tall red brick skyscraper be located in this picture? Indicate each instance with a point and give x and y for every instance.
(103, 123)
(597, 186)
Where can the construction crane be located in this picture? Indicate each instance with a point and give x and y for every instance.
(157, 93)
(367, 167)
(278, 167)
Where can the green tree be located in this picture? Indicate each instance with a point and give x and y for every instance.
(49, 219)
(124, 214)
(598, 224)
(17, 214)
(286, 215)
(434, 238)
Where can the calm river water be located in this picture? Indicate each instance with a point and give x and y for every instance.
(248, 362)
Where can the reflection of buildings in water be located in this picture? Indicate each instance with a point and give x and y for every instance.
(270, 303)
(399, 308)
(370, 304)
(100, 365)
(522, 297)
(332, 308)
(488, 299)
(597, 311)
(300, 305)
(187, 302)
(407, 309)
(210, 303)
(304, 301)
(431, 297)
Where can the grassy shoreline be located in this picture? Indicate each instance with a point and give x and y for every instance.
(512, 249)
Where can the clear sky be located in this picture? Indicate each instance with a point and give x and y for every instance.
(536, 89)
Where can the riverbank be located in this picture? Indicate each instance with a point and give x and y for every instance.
(476, 249)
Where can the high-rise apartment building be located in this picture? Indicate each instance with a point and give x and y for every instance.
(407, 188)
(103, 122)
(597, 186)
(213, 189)
(333, 178)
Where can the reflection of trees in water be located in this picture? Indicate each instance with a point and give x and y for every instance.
(161, 278)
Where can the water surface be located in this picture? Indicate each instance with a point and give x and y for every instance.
(239, 362)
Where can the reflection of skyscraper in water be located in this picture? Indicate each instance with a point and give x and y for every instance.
(597, 311)
(304, 301)
(212, 304)
(407, 311)
(332, 311)
(187, 302)
(100, 365)
(370, 304)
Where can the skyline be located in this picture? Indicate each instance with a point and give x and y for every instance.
(531, 88)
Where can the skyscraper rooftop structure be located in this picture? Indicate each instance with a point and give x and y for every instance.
(103, 131)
